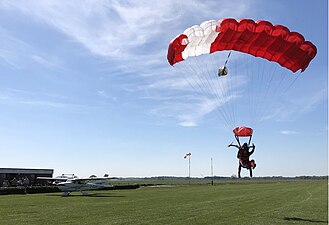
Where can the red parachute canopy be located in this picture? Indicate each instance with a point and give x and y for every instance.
(258, 38)
(242, 131)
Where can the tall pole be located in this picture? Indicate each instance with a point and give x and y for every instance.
(188, 155)
(189, 168)
(212, 172)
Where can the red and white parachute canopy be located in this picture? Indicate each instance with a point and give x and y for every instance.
(258, 38)
(252, 82)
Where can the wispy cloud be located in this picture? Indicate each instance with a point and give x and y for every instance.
(289, 132)
(198, 111)
(133, 36)
(106, 28)
(123, 30)
(12, 49)
(19, 54)
(39, 100)
(295, 107)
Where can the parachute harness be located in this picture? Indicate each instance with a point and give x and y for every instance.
(223, 71)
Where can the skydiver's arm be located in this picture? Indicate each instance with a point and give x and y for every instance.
(253, 149)
(232, 145)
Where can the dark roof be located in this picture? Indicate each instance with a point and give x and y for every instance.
(26, 171)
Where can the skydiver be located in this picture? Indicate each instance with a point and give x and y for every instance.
(222, 71)
(243, 156)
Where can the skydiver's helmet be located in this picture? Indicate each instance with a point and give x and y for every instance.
(245, 147)
(222, 71)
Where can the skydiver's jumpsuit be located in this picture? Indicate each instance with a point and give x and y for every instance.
(243, 156)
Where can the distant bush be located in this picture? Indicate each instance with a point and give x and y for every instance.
(40, 189)
(51, 189)
(12, 190)
(121, 187)
(28, 190)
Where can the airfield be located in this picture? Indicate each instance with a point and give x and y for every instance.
(246, 201)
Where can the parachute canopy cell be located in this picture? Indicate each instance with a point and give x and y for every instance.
(258, 38)
(243, 131)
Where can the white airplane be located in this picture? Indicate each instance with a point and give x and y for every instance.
(71, 183)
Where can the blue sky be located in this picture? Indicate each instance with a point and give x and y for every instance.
(85, 88)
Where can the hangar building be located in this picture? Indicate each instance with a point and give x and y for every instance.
(7, 175)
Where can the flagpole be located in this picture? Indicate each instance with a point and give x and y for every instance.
(212, 172)
(188, 155)
(189, 169)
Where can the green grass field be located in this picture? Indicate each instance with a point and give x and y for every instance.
(264, 203)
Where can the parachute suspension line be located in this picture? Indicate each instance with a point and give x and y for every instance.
(218, 89)
(190, 72)
(221, 90)
(207, 83)
(286, 74)
(235, 87)
(283, 75)
(232, 87)
(189, 75)
(251, 89)
(277, 89)
(194, 74)
(255, 69)
(258, 88)
(225, 89)
(229, 54)
(292, 83)
(264, 97)
(194, 79)
(263, 103)
(261, 89)
(264, 86)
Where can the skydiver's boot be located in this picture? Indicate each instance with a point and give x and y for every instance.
(252, 164)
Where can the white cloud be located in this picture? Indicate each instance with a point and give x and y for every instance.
(133, 36)
(19, 54)
(106, 28)
(11, 49)
(289, 132)
(187, 124)
(45, 61)
(118, 28)
(295, 107)
(40, 100)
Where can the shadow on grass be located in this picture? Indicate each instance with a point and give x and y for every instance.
(305, 220)
(98, 195)
(90, 195)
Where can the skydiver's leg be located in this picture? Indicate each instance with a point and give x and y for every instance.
(250, 172)
(239, 171)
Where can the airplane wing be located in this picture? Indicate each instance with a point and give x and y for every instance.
(51, 178)
(87, 180)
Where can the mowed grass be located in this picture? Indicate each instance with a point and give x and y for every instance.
(264, 203)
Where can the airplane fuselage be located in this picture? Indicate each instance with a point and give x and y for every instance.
(69, 186)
